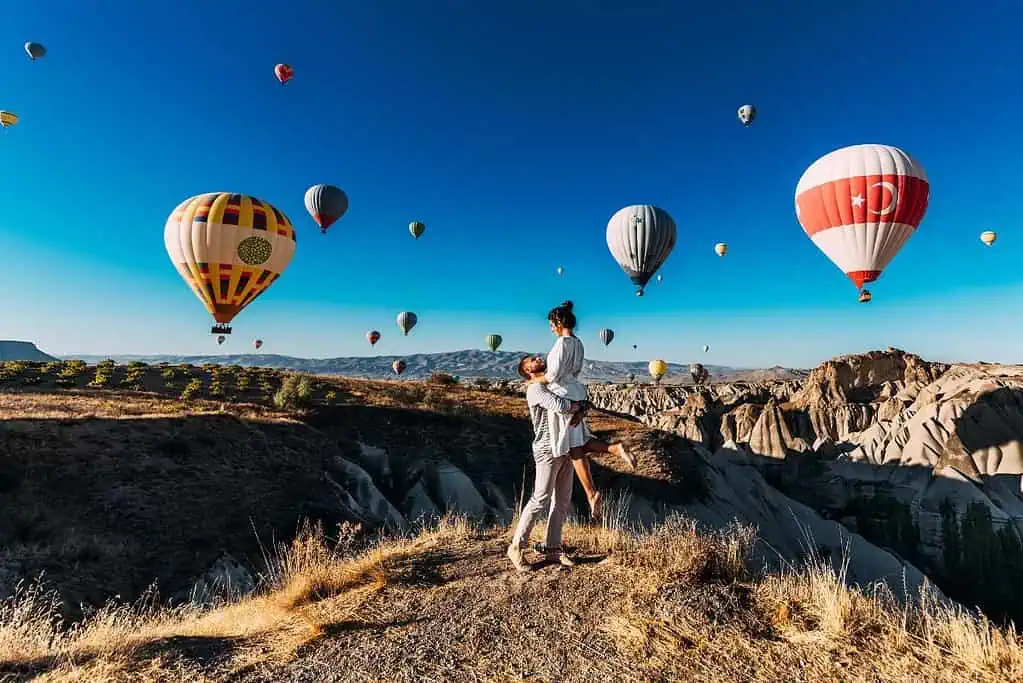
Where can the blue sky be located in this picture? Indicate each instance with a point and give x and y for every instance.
(513, 130)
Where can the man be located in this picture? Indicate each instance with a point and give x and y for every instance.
(552, 485)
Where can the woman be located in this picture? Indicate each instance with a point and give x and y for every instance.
(571, 435)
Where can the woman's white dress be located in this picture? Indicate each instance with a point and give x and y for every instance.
(564, 364)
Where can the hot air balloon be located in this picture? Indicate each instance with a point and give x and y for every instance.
(325, 203)
(988, 237)
(406, 321)
(865, 296)
(417, 229)
(746, 114)
(34, 50)
(698, 373)
(720, 248)
(258, 344)
(860, 204)
(640, 238)
(658, 369)
(372, 337)
(494, 341)
(706, 348)
(8, 119)
(398, 366)
(284, 73)
(229, 248)
(634, 347)
(560, 271)
(632, 377)
(221, 339)
(660, 278)
(606, 335)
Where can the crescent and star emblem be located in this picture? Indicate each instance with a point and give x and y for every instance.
(859, 200)
(891, 205)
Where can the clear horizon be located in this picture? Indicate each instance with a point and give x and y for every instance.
(514, 132)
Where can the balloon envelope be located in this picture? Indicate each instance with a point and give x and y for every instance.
(494, 341)
(720, 248)
(258, 344)
(640, 238)
(35, 50)
(746, 114)
(988, 237)
(228, 248)
(284, 73)
(860, 205)
(658, 368)
(8, 119)
(372, 337)
(606, 335)
(398, 366)
(698, 372)
(325, 203)
(417, 229)
(406, 321)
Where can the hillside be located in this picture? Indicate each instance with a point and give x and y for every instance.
(22, 350)
(467, 363)
(115, 477)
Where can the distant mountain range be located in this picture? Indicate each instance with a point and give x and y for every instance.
(468, 363)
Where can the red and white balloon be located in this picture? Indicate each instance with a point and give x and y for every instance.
(860, 205)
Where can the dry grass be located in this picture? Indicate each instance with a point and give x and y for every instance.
(668, 605)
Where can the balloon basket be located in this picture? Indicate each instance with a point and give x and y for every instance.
(220, 329)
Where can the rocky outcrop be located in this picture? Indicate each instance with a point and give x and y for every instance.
(923, 458)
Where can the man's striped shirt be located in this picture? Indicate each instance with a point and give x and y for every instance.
(540, 401)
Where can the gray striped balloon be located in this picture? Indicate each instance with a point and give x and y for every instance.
(640, 237)
(406, 321)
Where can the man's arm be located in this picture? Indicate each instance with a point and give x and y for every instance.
(538, 394)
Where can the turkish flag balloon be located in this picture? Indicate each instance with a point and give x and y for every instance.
(860, 204)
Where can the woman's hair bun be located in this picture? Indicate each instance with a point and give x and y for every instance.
(567, 305)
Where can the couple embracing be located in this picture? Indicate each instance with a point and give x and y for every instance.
(562, 442)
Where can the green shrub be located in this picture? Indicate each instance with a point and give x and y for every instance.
(102, 378)
(53, 367)
(295, 392)
(192, 389)
(71, 369)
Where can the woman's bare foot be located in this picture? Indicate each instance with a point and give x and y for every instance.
(619, 450)
(595, 502)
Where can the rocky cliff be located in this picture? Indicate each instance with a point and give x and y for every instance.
(919, 457)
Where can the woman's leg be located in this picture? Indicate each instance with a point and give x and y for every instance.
(595, 445)
(581, 463)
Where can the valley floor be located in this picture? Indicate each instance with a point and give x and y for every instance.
(445, 605)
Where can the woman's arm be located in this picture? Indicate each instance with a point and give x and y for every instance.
(557, 365)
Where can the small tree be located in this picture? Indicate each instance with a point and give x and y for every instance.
(295, 392)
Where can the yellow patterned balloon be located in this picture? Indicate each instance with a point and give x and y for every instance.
(658, 369)
(8, 119)
(229, 248)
